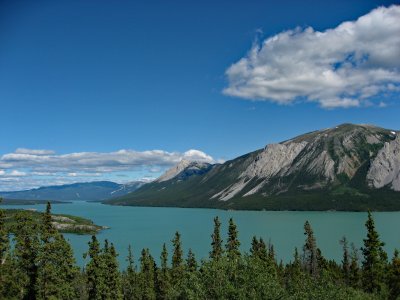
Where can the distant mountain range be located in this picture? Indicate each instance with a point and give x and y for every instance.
(347, 167)
(90, 191)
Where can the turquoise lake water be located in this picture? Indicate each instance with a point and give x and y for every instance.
(150, 227)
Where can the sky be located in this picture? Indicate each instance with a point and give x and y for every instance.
(123, 90)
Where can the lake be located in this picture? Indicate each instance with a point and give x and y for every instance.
(150, 227)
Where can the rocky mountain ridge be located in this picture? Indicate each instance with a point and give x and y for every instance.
(345, 164)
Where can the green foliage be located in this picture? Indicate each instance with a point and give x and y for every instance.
(232, 244)
(4, 238)
(216, 243)
(310, 255)
(69, 224)
(146, 284)
(374, 265)
(95, 269)
(41, 266)
(394, 276)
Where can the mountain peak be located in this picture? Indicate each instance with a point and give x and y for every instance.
(190, 167)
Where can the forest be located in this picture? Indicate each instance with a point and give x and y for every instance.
(37, 262)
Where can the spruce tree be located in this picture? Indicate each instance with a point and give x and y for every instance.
(56, 265)
(394, 276)
(163, 276)
(112, 274)
(354, 269)
(4, 238)
(27, 246)
(177, 259)
(191, 263)
(130, 277)
(216, 242)
(271, 250)
(147, 276)
(95, 271)
(232, 244)
(375, 259)
(9, 288)
(259, 249)
(345, 260)
(254, 246)
(310, 254)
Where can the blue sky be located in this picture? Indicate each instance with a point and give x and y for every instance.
(84, 80)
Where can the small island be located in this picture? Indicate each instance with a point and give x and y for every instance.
(63, 223)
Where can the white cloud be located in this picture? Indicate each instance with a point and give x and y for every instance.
(25, 168)
(16, 173)
(34, 152)
(340, 67)
(197, 155)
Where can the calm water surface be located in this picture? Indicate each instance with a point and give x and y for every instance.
(149, 227)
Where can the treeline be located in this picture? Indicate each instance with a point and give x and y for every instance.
(40, 265)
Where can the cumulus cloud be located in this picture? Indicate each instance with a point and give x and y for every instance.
(344, 66)
(27, 168)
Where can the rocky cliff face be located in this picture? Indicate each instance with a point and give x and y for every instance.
(314, 160)
(385, 168)
(335, 166)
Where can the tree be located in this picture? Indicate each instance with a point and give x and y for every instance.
(191, 263)
(9, 288)
(177, 259)
(345, 260)
(147, 276)
(163, 275)
(112, 275)
(354, 269)
(130, 277)
(4, 238)
(216, 243)
(310, 254)
(232, 244)
(375, 259)
(259, 249)
(394, 276)
(95, 271)
(27, 246)
(56, 264)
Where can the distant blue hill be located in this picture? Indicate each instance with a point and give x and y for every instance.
(86, 191)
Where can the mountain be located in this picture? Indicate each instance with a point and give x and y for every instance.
(91, 191)
(347, 167)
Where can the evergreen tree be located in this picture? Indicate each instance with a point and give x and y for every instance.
(394, 276)
(163, 276)
(9, 288)
(271, 250)
(27, 246)
(259, 249)
(310, 254)
(56, 265)
(112, 275)
(95, 277)
(232, 244)
(177, 259)
(375, 259)
(130, 277)
(191, 263)
(345, 260)
(4, 238)
(146, 276)
(254, 246)
(216, 243)
(354, 269)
